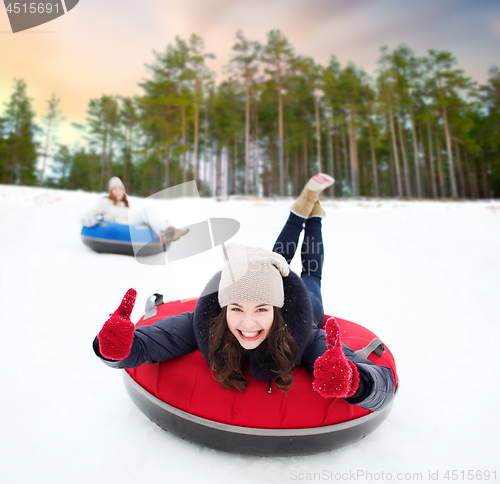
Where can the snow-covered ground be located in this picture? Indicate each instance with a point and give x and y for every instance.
(424, 276)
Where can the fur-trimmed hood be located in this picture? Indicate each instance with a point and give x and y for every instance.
(297, 312)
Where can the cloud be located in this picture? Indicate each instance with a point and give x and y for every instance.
(494, 25)
(102, 47)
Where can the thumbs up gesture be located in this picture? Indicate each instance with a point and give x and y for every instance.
(117, 334)
(334, 374)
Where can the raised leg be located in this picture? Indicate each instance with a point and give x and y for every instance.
(288, 240)
(312, 253)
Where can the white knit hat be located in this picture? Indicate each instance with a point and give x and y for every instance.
(252, 274)
(115, 182)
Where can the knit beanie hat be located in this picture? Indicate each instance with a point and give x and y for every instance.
(115, 182)
(252, 274)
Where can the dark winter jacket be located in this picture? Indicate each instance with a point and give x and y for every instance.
(177, 335)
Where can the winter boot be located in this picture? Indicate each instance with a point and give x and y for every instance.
(317, 211)
(310, 194)
(172, 234)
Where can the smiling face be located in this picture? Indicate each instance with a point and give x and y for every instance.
(250, 322)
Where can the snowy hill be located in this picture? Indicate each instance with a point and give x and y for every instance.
(424, 276)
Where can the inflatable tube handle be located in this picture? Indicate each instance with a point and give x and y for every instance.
(100, 221)
(375, 346)
(151, 304)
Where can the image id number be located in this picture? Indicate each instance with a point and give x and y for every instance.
(32, 8)
(470, 475)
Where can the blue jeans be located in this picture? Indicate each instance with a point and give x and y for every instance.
(312, 254)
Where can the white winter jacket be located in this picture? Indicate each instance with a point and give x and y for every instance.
(109, 211)
(120, 214)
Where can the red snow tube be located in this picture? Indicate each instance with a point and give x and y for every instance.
(182, 396)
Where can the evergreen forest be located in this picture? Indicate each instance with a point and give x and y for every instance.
(418, 128)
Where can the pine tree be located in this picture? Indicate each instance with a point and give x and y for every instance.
(51, 120)
(278, 54)
(20, 147)
(62, 168)
(331, 88)
(446, 83)
(198, 74)
(489, 126)
(351, 88)
(129, 120)
(102, 131)
(246, 60)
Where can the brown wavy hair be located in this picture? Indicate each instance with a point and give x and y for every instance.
(227, 356)
(115, 200)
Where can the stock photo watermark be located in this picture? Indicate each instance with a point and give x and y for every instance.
(201, 233)
(362, 475)
(26, 15)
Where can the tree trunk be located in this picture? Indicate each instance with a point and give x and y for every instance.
(318, 132)
(364, 172)
(91, 177)
(331, 189)
(167, 164)
(167, 149)
(296, 172)
(461, 178)
(440, 168)
(235, 166)
(471, 176)
(287, 165)
(404, 154)
(476, 174)
(373, 156)
(395, 151)
(416, 155)
(45, 154)
(6, 170)
(392, 172)
(311, 156)
(304, 151)
(110, 153)
(267, 175)
(280, 122)
(103, 161)
(247, 136)
(218, 170)
(205, 155)
(257, 159)
(154, 173)
(128, 153)
(453, 182)
(353, 150)
(274, 182)
(337, 154)
(431, 160)
(344, 147)
(183, 141)
(196, 128)
(424, 172)
(486, 188)
(213, 170)
(12, 173)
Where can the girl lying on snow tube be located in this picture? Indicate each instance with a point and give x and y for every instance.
(257, 320)
(114, 208)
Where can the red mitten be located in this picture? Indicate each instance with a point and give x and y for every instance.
(117, 334)
(334, 374)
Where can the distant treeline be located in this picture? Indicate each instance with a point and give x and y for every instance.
(421, 128)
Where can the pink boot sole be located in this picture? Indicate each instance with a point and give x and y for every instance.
(319, 182)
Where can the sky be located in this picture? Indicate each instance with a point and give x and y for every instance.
(103, 47)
